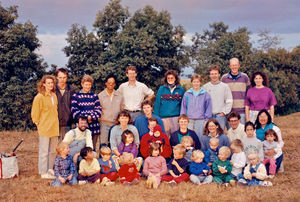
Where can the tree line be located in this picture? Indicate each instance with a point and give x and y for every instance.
(146, 39)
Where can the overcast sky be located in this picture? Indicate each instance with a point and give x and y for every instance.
(55, 17)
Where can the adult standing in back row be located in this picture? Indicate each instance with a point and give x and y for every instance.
(238, 83)
(168, 102)
(220, 94)
(64, 94)
(134, 93)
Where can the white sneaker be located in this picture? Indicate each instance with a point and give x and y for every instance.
(266, 184)
(81, 182)
(173, 183)
(48, 176)
(51, 172)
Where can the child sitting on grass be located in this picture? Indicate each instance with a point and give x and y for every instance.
(128, 172)
(155, 166)
(222, 168)
(254, 173)
(199, 169)
(64, 168)
(271, 143)
(238, 158)
(177, 167)
(108, 169)
(213, 151)
(188, 143)
(89, 169)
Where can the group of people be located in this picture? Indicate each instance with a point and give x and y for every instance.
(182, 139)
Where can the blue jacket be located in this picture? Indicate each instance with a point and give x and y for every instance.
(197, 107)
(197, 168)
(211, 155)
(168, 104)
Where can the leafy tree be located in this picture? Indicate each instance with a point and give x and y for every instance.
(20, 68)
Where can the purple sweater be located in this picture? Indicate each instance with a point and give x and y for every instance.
(132, 148)
(260, 98)
(238, 89)
(196, 107)
(154, 165)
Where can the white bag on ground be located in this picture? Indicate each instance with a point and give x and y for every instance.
(8, 166)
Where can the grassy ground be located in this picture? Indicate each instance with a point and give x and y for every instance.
(30, 187)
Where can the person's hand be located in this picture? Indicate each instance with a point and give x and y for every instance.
(209, 164)
(205, 172)
(89, 119)
(62, 180)
(70, 177)
(248, 176)
(270, 152)
(110, 163)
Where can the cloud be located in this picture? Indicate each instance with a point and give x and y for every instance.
(51, 48)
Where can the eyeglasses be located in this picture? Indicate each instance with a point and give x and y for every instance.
(234, 120)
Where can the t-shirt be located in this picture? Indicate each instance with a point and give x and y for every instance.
(260, 98)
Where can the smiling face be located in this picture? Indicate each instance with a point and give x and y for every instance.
(131, 74)
(155, 152)
(263, 119)
(222, 156)
(82, 124)
(212, 128)
(183, 124)
(234, 66)
(123, 120)
(147, 109)
(49, 85)
(234, 122)
(86, 86)
(196, 84)
(214, 76)
(258, 80)
(199, 159)
(171, 79)
(110, 84)
(129, 139)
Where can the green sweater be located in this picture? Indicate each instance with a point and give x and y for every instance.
(225, 164)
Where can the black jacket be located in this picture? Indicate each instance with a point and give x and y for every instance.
(64, 106)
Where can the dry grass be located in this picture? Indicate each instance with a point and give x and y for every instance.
(30, 187)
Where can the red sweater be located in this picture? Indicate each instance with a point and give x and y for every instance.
(164, 141)
(129, 172)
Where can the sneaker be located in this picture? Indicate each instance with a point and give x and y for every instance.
(173, 183)
(109, 183)
(51, 172)
(271, 176)
(81, 182)
(97, 181)
(242, 182)
(104, 181)
(48, 176)
(266, 184)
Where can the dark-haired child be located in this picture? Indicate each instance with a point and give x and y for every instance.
(89, 168)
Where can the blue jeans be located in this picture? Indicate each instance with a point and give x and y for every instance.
(57, 183)
(221, 119)
(197, 126)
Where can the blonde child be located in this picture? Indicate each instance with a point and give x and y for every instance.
(177, 167)
(64, 168)
(188, 142)
(213, 151)
(108, 169)
(254, 173)
(154, 166)
(222, 167)
(89, 168)
(271, 143)
(128, 172)
(238, 158)
(251, 143)
(199, 169)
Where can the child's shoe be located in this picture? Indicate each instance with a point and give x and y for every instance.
(48, 176)
(173, 183)
(104, 181)
(242, 182)
(271, 176)
(266, 184)
(97, 181)
(109, 183)
(51, 172)
(81, 182)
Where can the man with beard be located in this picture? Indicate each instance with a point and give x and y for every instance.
(79, 137)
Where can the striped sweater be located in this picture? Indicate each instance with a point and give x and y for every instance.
(87, 104)
(238, 87)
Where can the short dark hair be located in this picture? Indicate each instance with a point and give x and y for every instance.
(123, 113)
(233, 115)
(175, 74)
(146, 102)
(249, 123)
(271, 132)
(215, 67)
(63, 70)
(84, 151)
(264, 77)
(110, 76)
(152, 119)
(82, 118)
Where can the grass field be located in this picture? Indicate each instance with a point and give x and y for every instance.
(30, 187)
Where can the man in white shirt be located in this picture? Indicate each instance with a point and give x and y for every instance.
(237, 130)
(220, 94)
(134, 93)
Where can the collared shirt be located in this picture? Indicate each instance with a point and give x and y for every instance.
(134, 95)
(79, 135)
(64, 166)
(111, 105)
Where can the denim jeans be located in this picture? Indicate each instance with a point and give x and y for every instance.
(57, 183)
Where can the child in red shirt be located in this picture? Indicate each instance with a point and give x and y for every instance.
(128, 172)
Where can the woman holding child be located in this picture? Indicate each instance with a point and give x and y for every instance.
(264, 123)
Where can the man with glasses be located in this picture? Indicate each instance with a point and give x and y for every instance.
(236, 130)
